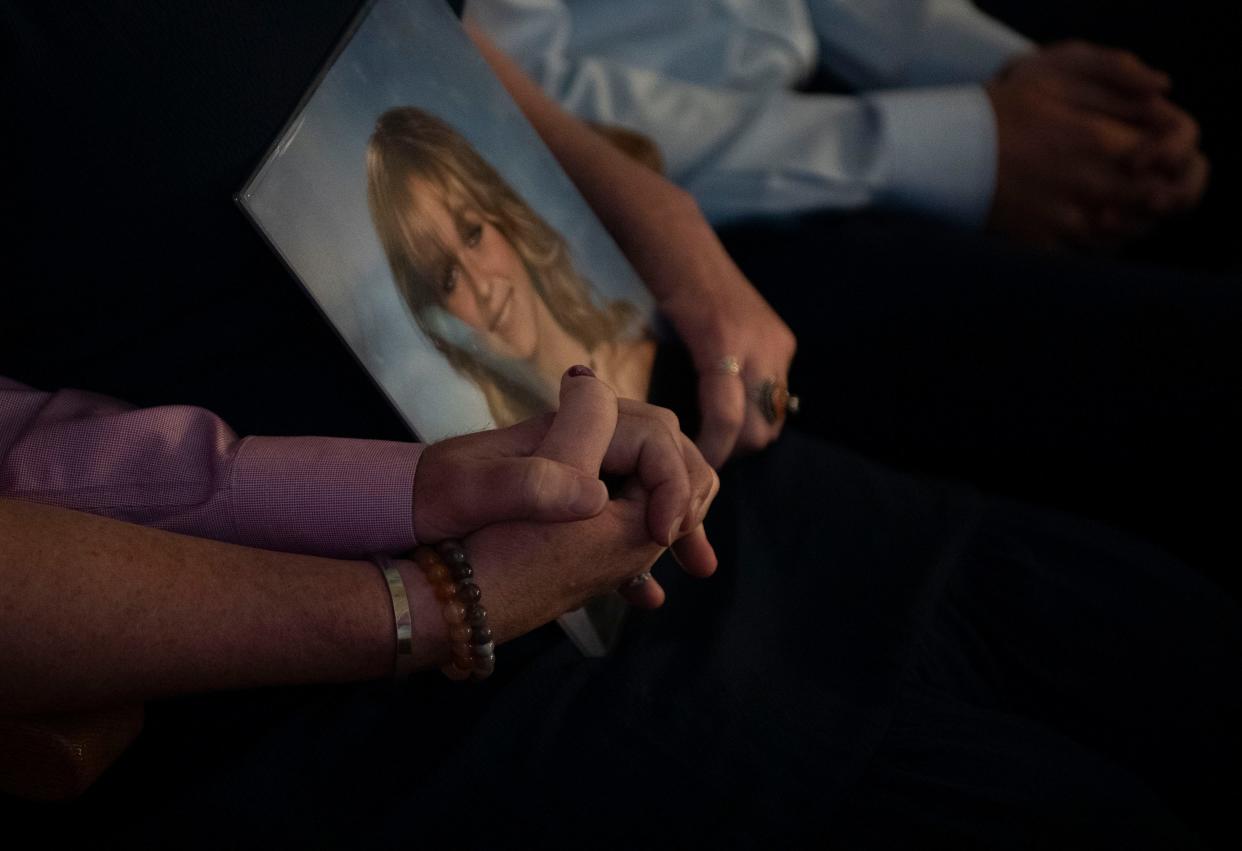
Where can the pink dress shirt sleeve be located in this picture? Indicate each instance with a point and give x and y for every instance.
(182, 469)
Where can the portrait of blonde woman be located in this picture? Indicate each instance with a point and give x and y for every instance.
(489, 282)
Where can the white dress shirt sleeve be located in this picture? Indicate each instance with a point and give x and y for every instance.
(744, 152)
(886, 43)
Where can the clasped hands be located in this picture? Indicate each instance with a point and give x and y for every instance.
(542, 531)
(1092, 153)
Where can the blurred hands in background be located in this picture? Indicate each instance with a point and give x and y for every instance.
(1092, 153)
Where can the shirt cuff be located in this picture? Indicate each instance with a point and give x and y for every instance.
(941, 151)
(960, 44)
(324, 496)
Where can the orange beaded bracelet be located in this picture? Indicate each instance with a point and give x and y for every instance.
(452, 581)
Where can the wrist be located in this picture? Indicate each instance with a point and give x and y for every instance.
(1011, 65)
(419, 632)
(447, 570)
(409, 603)
(429, 633)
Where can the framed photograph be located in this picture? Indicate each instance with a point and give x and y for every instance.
(441, 239)
(438, 234)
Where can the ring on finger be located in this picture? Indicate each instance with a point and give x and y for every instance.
(729, 365)
(775, 400)
(636, 581)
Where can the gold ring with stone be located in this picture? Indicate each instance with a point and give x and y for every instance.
(775, 401)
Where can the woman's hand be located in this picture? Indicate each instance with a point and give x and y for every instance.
(723, 320)
(541, 471)
(533, 572)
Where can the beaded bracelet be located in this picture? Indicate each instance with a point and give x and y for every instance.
(452, 581)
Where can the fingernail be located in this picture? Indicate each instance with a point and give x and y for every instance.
(674, 530)
(590, 498)
(579, 370)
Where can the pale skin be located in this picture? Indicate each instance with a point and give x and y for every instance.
(486, 285)
(95, 612)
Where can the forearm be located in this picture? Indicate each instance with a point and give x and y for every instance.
(711, 305)
(96, 612)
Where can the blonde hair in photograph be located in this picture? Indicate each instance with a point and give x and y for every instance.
(408, 144)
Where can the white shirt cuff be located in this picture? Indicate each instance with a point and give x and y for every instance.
(941, 151)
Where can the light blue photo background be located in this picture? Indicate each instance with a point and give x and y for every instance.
(310, 199)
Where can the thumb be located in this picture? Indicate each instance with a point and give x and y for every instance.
(531, 489)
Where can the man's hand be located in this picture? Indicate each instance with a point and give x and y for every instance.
(595, 432)
(464, 483)
(546, 471)
(539, 470)
(1091, 152)
(532, 573)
